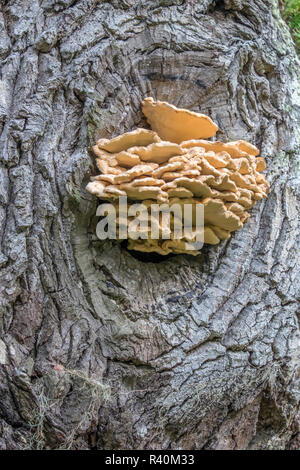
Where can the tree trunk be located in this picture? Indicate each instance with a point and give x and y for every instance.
(101, 348)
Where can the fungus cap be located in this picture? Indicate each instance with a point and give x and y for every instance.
(129, 139)
(176, 124)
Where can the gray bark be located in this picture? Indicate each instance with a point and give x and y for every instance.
(102, 349)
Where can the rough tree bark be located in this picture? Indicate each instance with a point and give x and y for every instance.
(102, 349)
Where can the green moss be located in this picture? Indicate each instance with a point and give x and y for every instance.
(290, 10)
(76, 195)
(74, 192)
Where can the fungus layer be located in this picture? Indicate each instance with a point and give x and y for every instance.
(173, 164)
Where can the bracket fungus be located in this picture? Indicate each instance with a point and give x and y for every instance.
(173, 164)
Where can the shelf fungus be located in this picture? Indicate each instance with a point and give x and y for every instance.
(174, 164)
